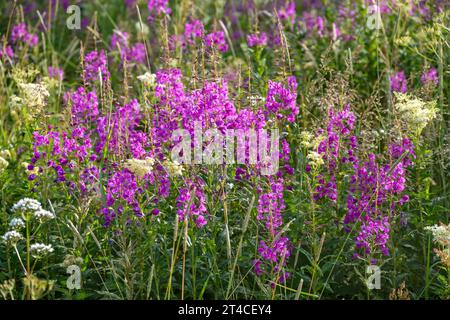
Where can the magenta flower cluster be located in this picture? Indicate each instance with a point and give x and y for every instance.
(88, 151)
(217, 39)
(398, 82)
(281, 100)
(135, 53)
(95, 66)
(20, 33)
(56, 73)
(430, 77)
(158, 6)
(373, 187)
(193, 30)
(274, 248)
(255, 39)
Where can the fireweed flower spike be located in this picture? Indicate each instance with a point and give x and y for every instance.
(257, 39)
(217, 39)
(398, 82)
(281, 100)
(193, 30)
(95, 64)
(19, 33)
(191, 202)
(56, 73)
(157, 7)
(120, 42)
(430, 77)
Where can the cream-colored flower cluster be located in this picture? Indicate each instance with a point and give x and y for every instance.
(5, 155)
(139, 167)
(12, 237)
(441, 235)
(173, 168)
(315, 159)
(148, 79)
(3, 164)
(415, 113)
(311, 142)
(32, 96)
(35, 95)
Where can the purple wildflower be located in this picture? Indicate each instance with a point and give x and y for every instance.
(193, 30)
(281, 100)
(398, 82)
(430, 77)
(94, 65)
(257, 39)
(217, 39)
(56, 73)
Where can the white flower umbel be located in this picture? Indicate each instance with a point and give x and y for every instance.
(5, 154)
(140, 167)
(17, 224)
(173, 168)
(147, 78)
(43, 215)
(39, 249)
(3, 164)
(35, 94)
(415, 112)
(441, 233)
(27, 204)
(316, 159)
(142, 28)
(12, 237)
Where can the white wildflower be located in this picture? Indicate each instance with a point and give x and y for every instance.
(174, 168)
(39, 249)
(309, 141)
(27, 204)
(148, 79)
(15, 102)
(415, 112)
(306, 138)
(35, 96)
(43, 215)
(6, 154)
(140, 167)
(316, 159)
(3, 164)
(441, 233)
(16, 223)
(12, 237)
(142, 28)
